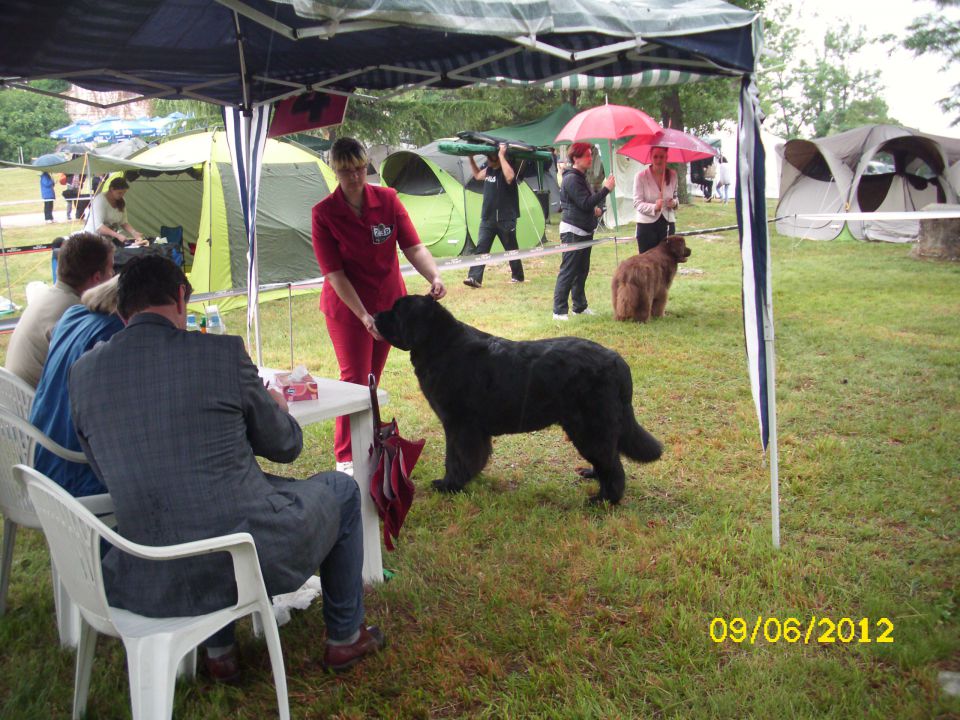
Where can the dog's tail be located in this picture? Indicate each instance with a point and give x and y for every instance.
(634, 442)
(624, 298)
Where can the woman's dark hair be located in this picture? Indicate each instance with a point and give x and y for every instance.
(147, 281)
(119, 183)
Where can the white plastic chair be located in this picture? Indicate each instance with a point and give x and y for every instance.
(155, 646)
(16, 394)
(18, 439)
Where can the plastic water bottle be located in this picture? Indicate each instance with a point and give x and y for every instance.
(214, 321)
(192, 322)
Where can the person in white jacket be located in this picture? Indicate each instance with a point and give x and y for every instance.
(655, 198)
(724, 179)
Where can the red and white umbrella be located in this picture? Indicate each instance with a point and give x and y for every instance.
(681, 147)
(607, 122)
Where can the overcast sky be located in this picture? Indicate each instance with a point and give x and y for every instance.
(913, 85)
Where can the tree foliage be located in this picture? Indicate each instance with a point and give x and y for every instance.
(199, 114)
(26, 120)
(939, 35)
(823, 93)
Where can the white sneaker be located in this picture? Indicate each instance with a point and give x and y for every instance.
(585, 311)
(558, 316)
(345, 467)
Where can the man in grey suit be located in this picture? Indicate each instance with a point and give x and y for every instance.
(171, 422)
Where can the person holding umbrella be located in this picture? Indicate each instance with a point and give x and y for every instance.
(655, 198)
(581, 211)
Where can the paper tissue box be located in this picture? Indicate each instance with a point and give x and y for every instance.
(297, 385)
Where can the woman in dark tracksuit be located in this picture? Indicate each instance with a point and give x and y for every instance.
(581, 209)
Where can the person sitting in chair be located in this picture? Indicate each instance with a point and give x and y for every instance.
(85, 260)
(172, 483)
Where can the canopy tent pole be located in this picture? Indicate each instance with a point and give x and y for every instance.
(6, 268)
(290, 319)
(246, 138)
(757, 283)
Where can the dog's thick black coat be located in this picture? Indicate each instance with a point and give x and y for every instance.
(480, 385)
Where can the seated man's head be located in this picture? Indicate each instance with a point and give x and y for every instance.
(85, 260)
(155, 284)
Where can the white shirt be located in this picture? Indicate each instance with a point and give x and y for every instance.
(102, 212)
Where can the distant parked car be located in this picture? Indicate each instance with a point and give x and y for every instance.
(878, 167)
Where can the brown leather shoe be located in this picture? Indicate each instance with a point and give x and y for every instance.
(224, 669)
(343, 657)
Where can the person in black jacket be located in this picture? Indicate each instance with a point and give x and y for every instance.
(499, 212)
(581, 209)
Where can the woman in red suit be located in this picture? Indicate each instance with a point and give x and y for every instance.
(356, 232)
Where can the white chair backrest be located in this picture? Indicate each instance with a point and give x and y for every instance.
(18, 439)
(73, 534)
(16, 394)
(16, 447)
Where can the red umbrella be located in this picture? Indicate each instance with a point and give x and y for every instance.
(681, 147)
(607, 122)
(393, 461)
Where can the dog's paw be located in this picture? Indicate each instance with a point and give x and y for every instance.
(600, 499)
(443, 486)
(588, 473)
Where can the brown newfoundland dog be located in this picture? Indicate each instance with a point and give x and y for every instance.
(641, 283)
(480, 385)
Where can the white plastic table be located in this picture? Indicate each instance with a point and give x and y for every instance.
(335, 398)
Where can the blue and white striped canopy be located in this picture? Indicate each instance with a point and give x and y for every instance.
(251, 52)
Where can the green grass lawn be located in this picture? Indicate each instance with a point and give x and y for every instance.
(515, 599)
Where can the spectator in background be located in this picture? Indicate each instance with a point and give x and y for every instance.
(85, 261)
(82, 326)
(724, 179)
(48, 194)
(70, 193)
(709, 175)
(499, 212)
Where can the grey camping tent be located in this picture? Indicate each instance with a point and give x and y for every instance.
(873, 168)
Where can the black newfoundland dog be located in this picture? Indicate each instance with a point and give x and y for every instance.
(480, 385)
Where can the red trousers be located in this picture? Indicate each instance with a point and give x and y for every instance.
(358, 355)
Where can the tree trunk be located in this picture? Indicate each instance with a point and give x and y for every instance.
(671, 116)
(939, 238)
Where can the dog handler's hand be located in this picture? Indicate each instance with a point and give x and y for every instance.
(371, 326)
(437, 290)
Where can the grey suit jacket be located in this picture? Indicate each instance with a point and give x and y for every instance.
(171, 422)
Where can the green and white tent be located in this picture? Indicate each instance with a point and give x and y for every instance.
(444, 201)
(206, 204)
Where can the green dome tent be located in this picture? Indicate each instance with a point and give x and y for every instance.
(206, 205)
(444, 200)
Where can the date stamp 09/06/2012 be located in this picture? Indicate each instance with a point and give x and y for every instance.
(812, 630)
